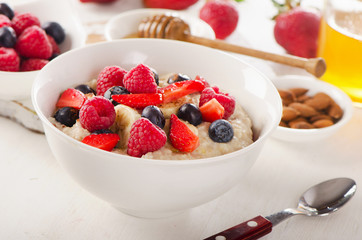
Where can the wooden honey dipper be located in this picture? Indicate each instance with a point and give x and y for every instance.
(171, 27)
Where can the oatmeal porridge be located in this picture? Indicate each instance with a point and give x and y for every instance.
(140, 114)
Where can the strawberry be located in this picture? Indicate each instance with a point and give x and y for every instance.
(181, 136)
(212, 110)
(140, 79)
(104, 141)
(179, 89)
(226, 100)
(33, 43)
(296, 30)
(169, 4)
(71, 98)
(22, 21)
(140, 100)
(145, 137)
(221, 15)
(33, 64)
(9, 60)
(110, 76)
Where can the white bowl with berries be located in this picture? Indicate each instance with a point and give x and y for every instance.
(31, 34)
(148, 126)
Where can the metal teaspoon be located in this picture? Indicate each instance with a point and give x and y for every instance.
(319, 200)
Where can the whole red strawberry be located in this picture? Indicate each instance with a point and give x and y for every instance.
(221, 15)
(297, 31)
(34, 43)
(9, 60)
(145, 137)
(169, 4)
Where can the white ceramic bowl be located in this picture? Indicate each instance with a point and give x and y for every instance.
(315, 85)
(17, 85)
(126, 23)
(156, 188)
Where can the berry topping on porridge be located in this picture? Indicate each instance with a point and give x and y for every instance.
(145, 137)
(142, 114)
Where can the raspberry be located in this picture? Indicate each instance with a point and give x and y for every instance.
(34, 43)
(24, 20)
(140, 79)
(4, 21)
(226, 100)
(33, 64)
(97, 113)
(221, 15)
(109, 77)
(9, 60)
(54, 44)
(145, 137)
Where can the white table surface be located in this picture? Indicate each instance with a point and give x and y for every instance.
(39, 201)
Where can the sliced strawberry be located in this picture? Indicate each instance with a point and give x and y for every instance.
(181, 136)
(104, 141)
(179, 89)
(212, 110)
(139, 100)
(71, 98)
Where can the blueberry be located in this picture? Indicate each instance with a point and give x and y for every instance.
(54, 55)
(155, 76)
(7, 37)
(177, 77)
(85, 89)
(6, 10)
(221, 131)
(155, 115)
(102, 131)
(67, 116)
(189, 112)
(116, 90)
(55, 30)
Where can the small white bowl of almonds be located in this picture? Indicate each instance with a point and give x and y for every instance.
(312, 109)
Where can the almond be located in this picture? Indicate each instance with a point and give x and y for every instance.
(286, 96)
(289, 113)
(335, 111)
(283, 124)
(320, 117)
(301, 125)
(303, 109)
(303, 98)
(299, 91)
(323, 123)
(319, 101)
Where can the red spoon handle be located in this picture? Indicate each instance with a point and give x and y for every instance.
(249, 230)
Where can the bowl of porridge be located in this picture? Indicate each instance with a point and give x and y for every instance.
(217, 113)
